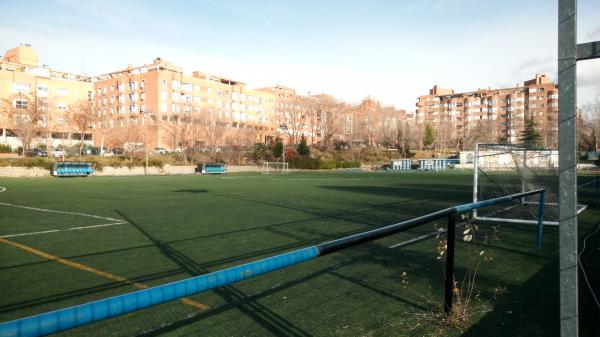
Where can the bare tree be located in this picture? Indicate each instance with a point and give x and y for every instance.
(292, 116)
(332, 120)
(26, 117)
(81, 118)
(213, 130)
(588, 130)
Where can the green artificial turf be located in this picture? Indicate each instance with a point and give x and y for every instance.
(180, 226)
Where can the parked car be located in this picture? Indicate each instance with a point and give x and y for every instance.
(37, 153)
(160, 150)
(59, 153)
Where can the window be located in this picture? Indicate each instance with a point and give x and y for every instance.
(209, 90)
(62, 106)
(175, 108)
(175, 85)
(42, 90)
(21, 88)
(186, 87)
(163, 107)
(121, 87)
(21, 103)
(163, 84)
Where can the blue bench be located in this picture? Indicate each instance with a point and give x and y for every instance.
(73, 169)
(214, 168)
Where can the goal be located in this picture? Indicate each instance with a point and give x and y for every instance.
(275, 167)
(504, 169)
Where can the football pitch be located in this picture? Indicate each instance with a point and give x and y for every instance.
(69, 241)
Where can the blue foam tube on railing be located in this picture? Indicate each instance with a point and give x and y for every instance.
(72, 317)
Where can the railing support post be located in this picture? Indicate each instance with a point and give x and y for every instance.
(449, 286)
(540, 224)
(597, 190)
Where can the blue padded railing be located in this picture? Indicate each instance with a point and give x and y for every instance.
(79, 315)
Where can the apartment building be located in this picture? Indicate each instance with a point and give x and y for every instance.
(162, 105)
(36, 101)
(158, 105)
(497, 114)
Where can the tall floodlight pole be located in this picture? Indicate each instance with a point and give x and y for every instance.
(569, 52)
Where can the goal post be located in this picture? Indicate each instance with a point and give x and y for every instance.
(275, 168)
(504, 169)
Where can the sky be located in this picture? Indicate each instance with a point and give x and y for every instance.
(393, 50)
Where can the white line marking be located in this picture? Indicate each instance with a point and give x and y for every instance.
(61, 212)
(418, 238)
(62, 230)
(2, 189)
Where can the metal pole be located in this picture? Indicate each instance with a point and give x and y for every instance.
(449, 284)
(475, 175)
(540, 224)
(567, 177)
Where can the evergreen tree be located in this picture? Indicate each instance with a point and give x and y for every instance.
(278, 149)
(302, 147)
(531, 137)
(429, 139)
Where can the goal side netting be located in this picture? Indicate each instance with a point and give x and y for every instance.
(501, 169)
(275, 168)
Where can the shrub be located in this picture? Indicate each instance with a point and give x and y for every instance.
(278, 149)
(33, 162)
(348, 164)
(156, 161)
(290, 154)
(5, 148)
(304, 163)
(302, 147)
(260, 151)
(328, 164)
(99, 166)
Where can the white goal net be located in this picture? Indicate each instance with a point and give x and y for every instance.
(275, 167)
(501, 170)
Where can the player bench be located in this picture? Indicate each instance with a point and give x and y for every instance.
(74, 169)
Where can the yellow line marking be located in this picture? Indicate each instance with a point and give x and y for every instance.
(89, 269)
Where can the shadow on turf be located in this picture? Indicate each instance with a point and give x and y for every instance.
(453, 193)
(421, 266)
(86, 291)
(513, 314)
(192, 190)
(261, 314)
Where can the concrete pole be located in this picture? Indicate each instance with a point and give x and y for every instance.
(567, 176)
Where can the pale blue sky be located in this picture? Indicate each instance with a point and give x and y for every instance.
(392, 50)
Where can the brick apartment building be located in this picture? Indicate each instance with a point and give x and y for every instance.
(157, 104)
(35, 101)
(500, 114)
(162, 104)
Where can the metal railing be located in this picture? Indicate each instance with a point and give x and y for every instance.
(79, 315)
